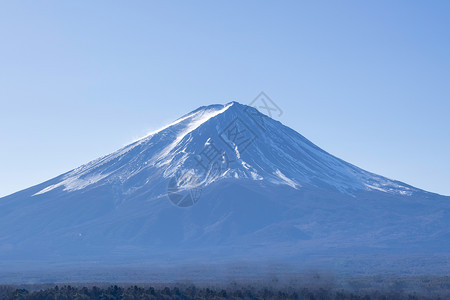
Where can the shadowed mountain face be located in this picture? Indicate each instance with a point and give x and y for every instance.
(223, 182)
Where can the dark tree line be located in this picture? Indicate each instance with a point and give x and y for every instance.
(135, 292)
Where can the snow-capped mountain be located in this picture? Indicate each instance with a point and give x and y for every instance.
(219, 142)
(221, 181)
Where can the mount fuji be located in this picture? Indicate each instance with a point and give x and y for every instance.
(226, 183)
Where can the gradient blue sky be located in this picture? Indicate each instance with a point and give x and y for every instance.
(368, 81)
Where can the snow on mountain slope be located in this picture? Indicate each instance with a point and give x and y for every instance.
(268, 151)
(221, 181)
(92, 173)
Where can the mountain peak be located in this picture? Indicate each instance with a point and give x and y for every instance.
(217, 142)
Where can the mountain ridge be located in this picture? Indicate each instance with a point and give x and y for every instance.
(217, 110)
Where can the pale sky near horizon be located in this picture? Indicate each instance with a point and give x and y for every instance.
(367, 81)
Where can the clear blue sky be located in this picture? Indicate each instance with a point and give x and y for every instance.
(368, 81)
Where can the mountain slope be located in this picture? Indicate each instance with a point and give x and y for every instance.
(223, 181)
(268, 151)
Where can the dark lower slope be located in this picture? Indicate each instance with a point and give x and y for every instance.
(234, 220)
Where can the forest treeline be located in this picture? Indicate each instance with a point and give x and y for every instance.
(135, 292)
